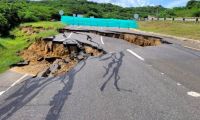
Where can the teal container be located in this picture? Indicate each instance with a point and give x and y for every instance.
(99, 22)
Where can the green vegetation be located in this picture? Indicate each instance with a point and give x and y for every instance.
(22, 39)
(187, 30)
(19, 11)
(15, 12)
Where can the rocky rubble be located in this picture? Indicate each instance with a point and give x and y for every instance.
(48, 59)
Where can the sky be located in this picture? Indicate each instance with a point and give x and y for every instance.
(138, 3)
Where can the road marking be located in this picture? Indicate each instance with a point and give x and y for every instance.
(2, 92)
(193, 94)
(17, 81)
(191, 48)
(178, 84)
(136, 55)
(102, 40)
(69, 35)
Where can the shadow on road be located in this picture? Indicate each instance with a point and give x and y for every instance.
(112, 70)
(31, 88)
(62, 95)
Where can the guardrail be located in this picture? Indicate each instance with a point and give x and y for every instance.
(196, 20)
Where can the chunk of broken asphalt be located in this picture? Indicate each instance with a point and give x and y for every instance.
(44, 73)
(51, 59)
(22, 63)
(40, 59)
(54, 67)
(80, 57)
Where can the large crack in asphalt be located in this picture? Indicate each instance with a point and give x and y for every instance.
(46, 58)
(135, 38)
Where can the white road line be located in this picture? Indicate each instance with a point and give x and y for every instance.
(102, 40)
(193, 94)
(191, 48)
(2, 92)
(17, 81)
(178, 84)
(69, 35)
(136, 55)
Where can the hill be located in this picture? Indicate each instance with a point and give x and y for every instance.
(14, 12)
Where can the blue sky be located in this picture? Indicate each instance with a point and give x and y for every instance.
(134, 3)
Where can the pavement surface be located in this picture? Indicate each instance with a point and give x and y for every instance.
(129, 82)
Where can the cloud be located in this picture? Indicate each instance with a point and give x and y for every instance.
(136, 3)
(177, 3)
(123, 3)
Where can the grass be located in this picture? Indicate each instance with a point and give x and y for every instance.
(188, 30)
(45, 24)
(21, 40)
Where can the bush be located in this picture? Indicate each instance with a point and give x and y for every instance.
(15, 12)
(3, 20)
(3, 24)
(196, 14)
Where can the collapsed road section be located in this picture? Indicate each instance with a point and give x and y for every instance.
(58, 54)
(135, 38)
(49, 58)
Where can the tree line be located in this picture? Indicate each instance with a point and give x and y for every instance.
(14, 12)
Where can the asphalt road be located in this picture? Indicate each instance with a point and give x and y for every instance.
(128, 83)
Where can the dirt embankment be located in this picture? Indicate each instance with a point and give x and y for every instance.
(142, 40)
(29, 30)
(46, 58)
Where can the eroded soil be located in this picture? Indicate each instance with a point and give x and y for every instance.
(142, 40)
(33, 30)
(47, 58)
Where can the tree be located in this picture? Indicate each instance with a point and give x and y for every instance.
(196, 14)
(193, 4)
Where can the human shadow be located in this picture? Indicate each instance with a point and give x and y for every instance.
(62, 95)
(27, 91)
(113, 67)
(31, 87)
